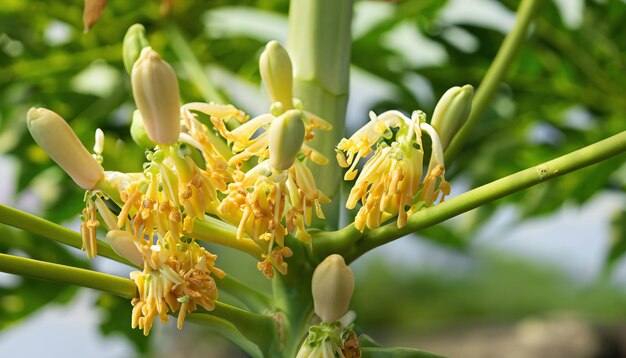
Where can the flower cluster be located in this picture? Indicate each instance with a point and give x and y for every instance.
(390, 179)
(251, 173)
(207, 162)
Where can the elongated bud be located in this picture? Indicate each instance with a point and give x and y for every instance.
(332, 284)
(56, 137)
(286, 136)
(451, 112)
(138, 132)
(91, 12)
(155, 89)
(277, 74)
(123, 243)
(134, 41)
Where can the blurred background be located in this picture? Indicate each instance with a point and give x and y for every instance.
(537, 274)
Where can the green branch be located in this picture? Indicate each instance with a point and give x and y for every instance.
(228, 330)
(260, 329)
(496, 72)
(67, 274)
(221, 233)
(50, 230)
(351, 243)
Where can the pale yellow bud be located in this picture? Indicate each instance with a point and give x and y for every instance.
(123, 243)
(57, 139)
(451, 112)
(277, 74)
(286, 136)
(91, 12)
(332, 285)
(155, 89)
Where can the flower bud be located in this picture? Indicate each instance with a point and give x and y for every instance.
(91, 12)
(451, 112)
(57, 139)
(123, 243)
(134, 41)
(155, 89)
(138, 132)
(277, 74)
(286, 135)
(332, 284)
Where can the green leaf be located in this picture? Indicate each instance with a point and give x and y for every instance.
(618, 240)
(395, 352)
(116, 320)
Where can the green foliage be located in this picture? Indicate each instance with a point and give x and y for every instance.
(117, 313)
(24, 296)
(560, 76)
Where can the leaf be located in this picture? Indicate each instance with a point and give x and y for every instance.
(116, 319)
(618, 240)
(371, 348)
(395, 352)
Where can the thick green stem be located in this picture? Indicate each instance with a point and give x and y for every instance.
(218, 232)
(319, 44)
(66, 274)
(351, 243)
(45, 228)
(260, 329)
(496, 72)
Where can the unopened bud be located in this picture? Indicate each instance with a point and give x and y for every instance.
(134, 41)
(277, 74)
(123, 243)
(91, 12)
(155, 89)
(138, 132)
(57, 139)
(286, 135)
(332, 284)
(451, 112)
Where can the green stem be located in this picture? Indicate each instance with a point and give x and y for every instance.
(66, 274)
(351, 243)
(196, 74)
(258, 328)
(218, 232)
(228, 330)
(496, 72)
(45, 228)
(319, 45)
(253, 299)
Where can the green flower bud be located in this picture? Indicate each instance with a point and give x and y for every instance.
(286, 135)
(155, 89)
(277, 74)
(123, 243)
(134, 41)
(57, 139)
(138, 132)
(332, 285)
(451, 112)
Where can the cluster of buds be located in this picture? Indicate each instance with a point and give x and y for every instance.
(392, 182)
(250, 173)
(332, 287)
